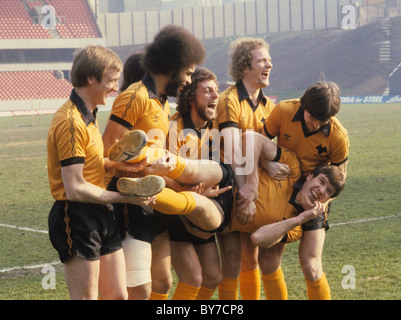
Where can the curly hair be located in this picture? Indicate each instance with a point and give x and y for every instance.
(322, 100)
(241, 55)
(188, 94)
(173, 50)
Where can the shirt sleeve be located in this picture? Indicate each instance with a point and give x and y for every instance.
(70, 140)
(128, 108)
(272, 123)
(228, 111)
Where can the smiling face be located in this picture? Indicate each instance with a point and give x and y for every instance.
(101, 90)
(207, 94)
(315, 189)
(179, 81)
(259, 73)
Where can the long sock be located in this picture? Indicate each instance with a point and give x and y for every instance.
(274, 284)
(177, 203)
(158, 296)
(205, 293)
(318, 289)
(249, 282)
(185, 292)
(228, 289)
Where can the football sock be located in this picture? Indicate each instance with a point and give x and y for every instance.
(205, 293)
(158, 296)
(318, 289)
(274, 284)
(185, 292)
(175, 203)
(228, 289)
(250, 284)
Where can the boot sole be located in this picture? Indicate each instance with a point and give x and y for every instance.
(143, 187)
(128, 147)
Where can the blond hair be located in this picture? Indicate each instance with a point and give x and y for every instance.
(93, 61)
(241, 55)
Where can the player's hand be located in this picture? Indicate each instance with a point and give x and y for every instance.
(277, 170)
(246, 194)
(245, 214)
(160, 168)
(127, 166)
(213, 192)
(141, 201)
(316, 211)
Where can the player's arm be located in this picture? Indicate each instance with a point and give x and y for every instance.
(270, 234)
(79, 190)
(261, 148)
(271, 129)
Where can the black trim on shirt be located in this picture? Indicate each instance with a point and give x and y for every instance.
(71, 161)
(337, 164)
(278, 155)
(267, 133)
(189, 124)
(243, 94)
(228, 124)
(120, 121)
(297, 187)
(299, 116)
(150, 85)
(87, 115)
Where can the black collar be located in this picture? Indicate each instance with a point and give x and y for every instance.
(299, 116)
(296, 188)
(188, 124)
(243, 94)
(88, 116)
(150, 85)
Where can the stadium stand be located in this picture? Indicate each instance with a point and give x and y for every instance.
(16, 23)
(77, 20)
(21, 20)
(33, 85)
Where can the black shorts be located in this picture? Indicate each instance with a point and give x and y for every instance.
(142, 223)
(224, 203)
(86, 230)
(319, 222)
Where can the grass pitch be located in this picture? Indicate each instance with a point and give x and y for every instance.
(362, 254)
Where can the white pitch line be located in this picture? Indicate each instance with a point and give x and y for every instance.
(58, 262)
(365, 220)
(29, 267)
(22, 228)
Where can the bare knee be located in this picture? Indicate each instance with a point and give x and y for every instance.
(312, 269)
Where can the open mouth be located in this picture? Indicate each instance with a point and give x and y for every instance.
(265, 75)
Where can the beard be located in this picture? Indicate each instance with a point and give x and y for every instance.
(173, 85)
(203, 114)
